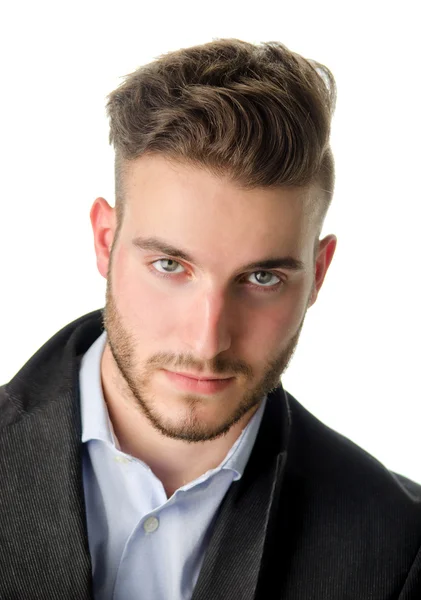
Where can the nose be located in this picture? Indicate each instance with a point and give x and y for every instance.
(207, 327)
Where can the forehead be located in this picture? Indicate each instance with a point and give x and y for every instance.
(191, 207)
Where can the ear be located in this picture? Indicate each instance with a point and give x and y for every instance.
(325, 252)
(102, 217)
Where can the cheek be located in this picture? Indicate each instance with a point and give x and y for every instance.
(143, 308)
(274, 326)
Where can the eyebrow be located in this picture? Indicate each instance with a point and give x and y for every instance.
(158, 245)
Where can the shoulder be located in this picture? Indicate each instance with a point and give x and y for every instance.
(52, 368)
(344, 492)
(329, 456)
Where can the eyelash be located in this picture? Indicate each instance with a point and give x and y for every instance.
(259, 288)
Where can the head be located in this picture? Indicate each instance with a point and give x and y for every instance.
(212, 255)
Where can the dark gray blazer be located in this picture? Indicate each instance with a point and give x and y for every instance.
(313, 517)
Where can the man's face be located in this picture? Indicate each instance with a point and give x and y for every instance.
(190, 289)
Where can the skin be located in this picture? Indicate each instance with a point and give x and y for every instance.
(209, 315)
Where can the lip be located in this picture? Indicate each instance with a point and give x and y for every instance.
(199, 377)
(203, 385)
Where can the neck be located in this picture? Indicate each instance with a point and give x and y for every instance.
(175, 462)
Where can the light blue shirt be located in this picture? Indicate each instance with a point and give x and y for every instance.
(143, 545)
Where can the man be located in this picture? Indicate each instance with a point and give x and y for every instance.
(149, 450)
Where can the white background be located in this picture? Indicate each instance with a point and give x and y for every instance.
(358, 361)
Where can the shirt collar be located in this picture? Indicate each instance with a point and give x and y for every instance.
(96, 423)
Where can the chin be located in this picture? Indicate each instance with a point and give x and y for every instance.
(191, 418)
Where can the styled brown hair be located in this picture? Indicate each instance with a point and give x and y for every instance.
(259, 114)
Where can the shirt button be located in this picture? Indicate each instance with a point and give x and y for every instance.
(151, 524)
(121, 459)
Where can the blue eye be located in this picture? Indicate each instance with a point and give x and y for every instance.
(171, 265)
(264, 280)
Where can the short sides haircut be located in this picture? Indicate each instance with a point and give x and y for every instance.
(258, 114)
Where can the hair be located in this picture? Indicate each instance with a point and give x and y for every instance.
(259, 114)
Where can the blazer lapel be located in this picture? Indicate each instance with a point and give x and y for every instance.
(232, 564)
(44, 549)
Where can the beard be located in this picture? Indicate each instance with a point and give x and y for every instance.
(191, 427)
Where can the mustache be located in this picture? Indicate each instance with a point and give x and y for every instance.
(218, 366)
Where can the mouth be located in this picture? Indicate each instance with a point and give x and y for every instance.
(199, 384)
(200, 377)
